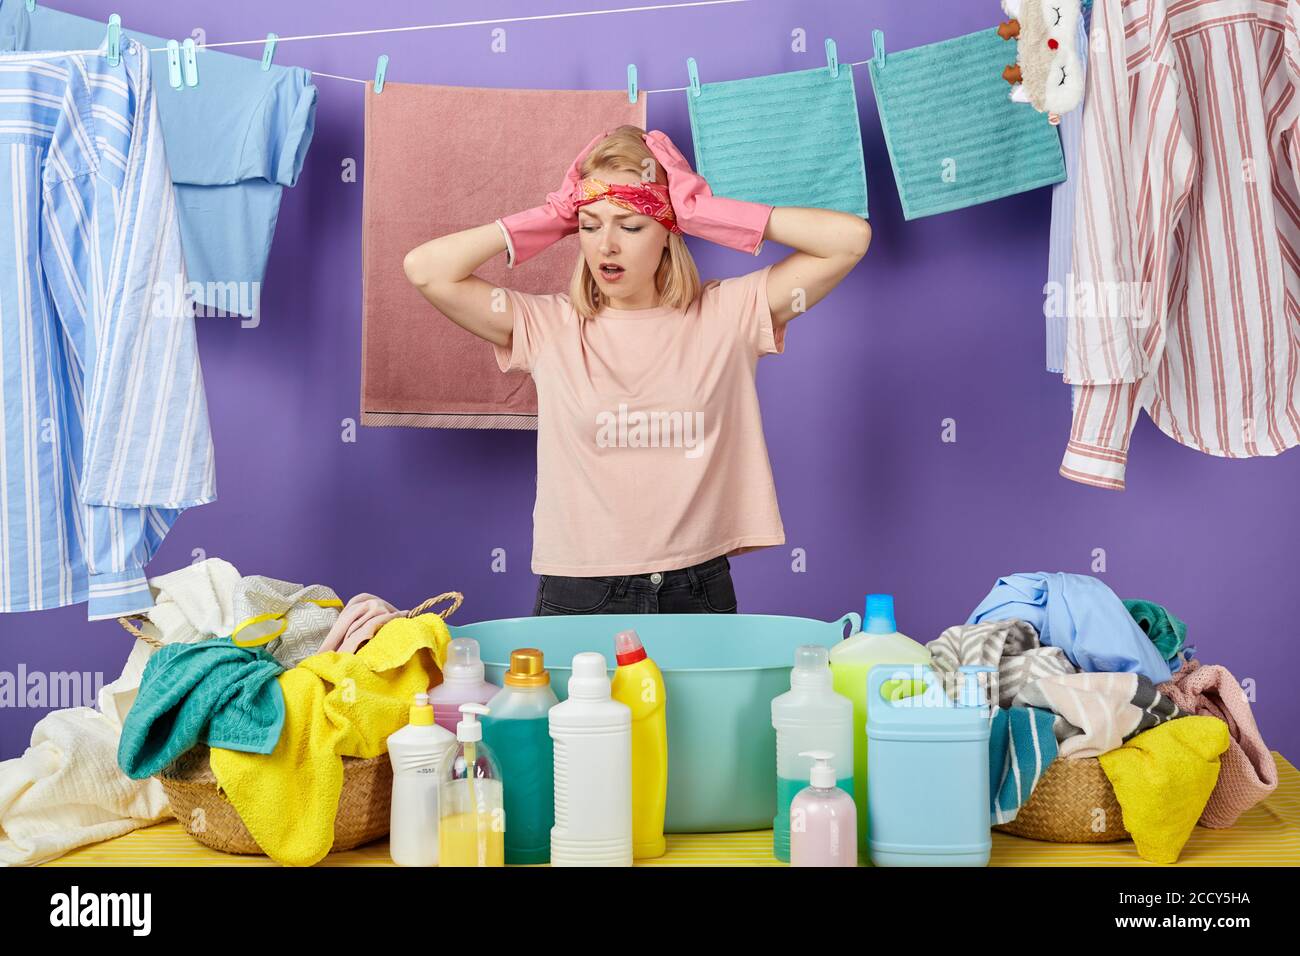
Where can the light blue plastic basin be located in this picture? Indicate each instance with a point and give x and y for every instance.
(721, 672)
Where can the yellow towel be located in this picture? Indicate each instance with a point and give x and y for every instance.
(1163, 778)
(335, 705)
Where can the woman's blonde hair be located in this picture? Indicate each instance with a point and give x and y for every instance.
(676, 280)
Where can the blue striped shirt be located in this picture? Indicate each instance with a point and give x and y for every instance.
(104, 435)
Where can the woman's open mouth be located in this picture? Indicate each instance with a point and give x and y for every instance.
(611, 272)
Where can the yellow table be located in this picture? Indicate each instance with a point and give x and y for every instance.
(1269, 835)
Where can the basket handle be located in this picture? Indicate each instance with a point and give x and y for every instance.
(128, 625)
(455, 597)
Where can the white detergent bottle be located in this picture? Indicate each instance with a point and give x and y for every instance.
(416, 752)
(592, 735)
(851, 661)
(462, 683)
(809, 716)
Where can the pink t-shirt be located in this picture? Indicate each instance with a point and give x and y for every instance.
(650, 450)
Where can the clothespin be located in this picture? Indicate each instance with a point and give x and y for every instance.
(190, 61)
(31, 5)
(381, 73)
(268, 53)
(114, 40)
(878, 47)
(694, 73)
(832, 58)
(631, 82)
(174, 64)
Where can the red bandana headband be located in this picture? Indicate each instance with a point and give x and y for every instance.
(646, 199)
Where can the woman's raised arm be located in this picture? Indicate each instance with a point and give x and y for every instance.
(827, 244)
(443, 270)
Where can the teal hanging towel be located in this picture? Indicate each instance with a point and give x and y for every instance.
(955, 137)
(790, 139)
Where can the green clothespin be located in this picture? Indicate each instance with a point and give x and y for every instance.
(381, 73)
(631, 82)
(190, 61)
(832, 58)
(878, 47)
(693, 72)
(114, 40)
(268, 53)
(174, 64)
(31, 5)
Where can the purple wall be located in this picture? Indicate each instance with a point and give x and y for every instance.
(942, 319)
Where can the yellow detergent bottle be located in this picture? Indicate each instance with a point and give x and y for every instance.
(639, 685)
(877, 643)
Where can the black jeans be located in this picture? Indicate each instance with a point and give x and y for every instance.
(701, 589)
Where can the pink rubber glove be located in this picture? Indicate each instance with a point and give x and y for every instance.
(733, 223)
(359, 616)
(533, 230)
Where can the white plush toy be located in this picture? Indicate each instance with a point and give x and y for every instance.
(1048, 73)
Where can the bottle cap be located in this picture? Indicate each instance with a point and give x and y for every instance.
(590, 680)
(421, 711)
(469, 730)
(880, 614)
(823, 774)
(812, 666)
(527, 669)
(463, 663)
(628, 648)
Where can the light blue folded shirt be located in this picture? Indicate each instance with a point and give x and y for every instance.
(1080, 615)
(233, 143)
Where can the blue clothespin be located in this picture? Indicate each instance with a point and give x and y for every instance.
(268, 53)
(174, 64)
(631, 82)
(114, 40)
(694, 73)
(832, 58)
(190, 61)
(878, 47)
(381, 73)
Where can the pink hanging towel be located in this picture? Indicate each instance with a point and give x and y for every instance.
(440, 159)
(1247, 772)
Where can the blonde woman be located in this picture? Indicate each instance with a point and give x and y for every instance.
(651, 465)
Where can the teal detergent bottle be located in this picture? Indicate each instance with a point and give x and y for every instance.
(810, 716)
(517, 732)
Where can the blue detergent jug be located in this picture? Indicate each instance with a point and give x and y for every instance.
(928, 789)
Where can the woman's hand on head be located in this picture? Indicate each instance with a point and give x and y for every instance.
(564, 199)
(685, 185)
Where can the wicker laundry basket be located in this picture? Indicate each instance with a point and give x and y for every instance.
(200, 805)
(1072, 803)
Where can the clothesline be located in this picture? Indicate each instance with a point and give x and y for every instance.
(453, 25)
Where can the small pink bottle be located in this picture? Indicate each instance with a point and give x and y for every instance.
(823, 819)
(462, 683)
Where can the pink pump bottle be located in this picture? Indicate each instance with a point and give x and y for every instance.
(462, 683)
(823, 819)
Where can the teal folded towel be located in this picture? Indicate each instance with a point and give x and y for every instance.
(1021, 748)
(789, 139)
(955, 138)
(1167, 632)
(211, 692)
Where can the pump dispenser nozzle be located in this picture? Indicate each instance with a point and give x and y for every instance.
(469, 730)
(823, 774)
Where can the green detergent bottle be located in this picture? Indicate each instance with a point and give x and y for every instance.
(877, 643)
(517, 732)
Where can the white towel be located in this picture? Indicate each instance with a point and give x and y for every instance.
(67, 790)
